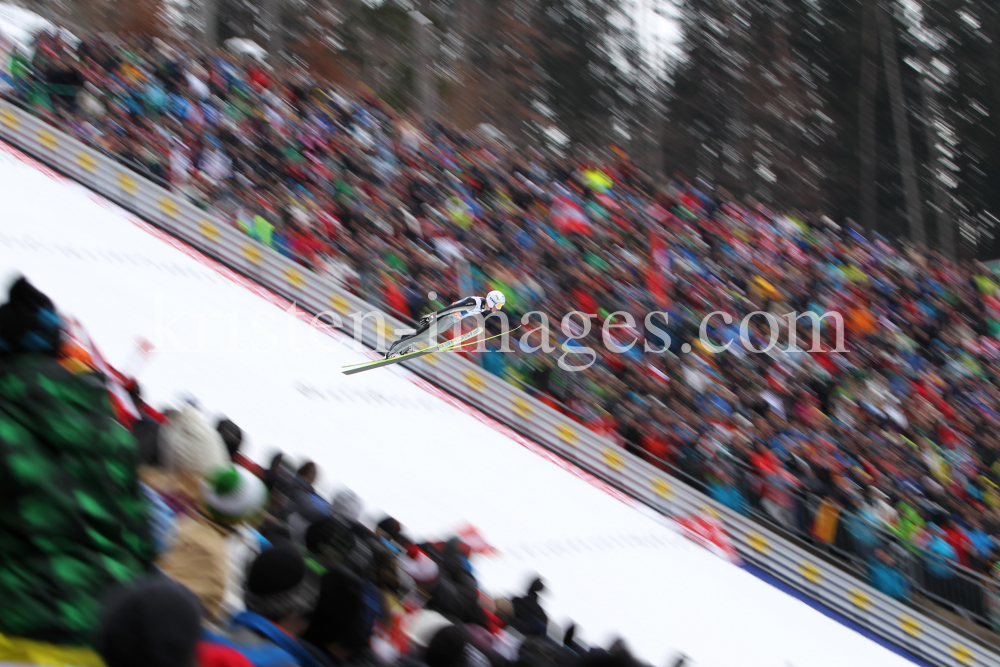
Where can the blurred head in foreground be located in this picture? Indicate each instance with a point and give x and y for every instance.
(154, 624)
(29, 323)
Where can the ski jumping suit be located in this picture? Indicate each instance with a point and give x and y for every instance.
(431, 325)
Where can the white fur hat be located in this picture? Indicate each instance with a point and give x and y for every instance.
(189, 444)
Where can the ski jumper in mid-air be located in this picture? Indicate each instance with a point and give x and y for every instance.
(432, 324)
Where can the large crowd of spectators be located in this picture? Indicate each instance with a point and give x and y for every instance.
(886, 451)
(131, 537)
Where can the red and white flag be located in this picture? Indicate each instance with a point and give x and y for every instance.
(81, 348)
(707, 530)
(471, 536)
(569, 218)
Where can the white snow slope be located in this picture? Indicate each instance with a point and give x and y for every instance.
(404, 448)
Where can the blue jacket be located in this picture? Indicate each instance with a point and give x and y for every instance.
(940, 553)
(863, 526)
(889, 580)
(263, 643)
(730, 496)
(982, 542)
(162, 520)
(493, 362)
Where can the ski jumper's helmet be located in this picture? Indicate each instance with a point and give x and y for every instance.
(495, 298)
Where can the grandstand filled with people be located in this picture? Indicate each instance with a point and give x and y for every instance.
(877, 440)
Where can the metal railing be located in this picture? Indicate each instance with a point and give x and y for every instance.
(947, 584)
(55, 121)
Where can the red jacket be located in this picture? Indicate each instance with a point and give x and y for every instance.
(395, 299)
(957, 539)
(658, 446)
(211, 654)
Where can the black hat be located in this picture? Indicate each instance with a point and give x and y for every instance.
(29, 322)
(232, 436)
(280, 584)
(341, 615)
(447, 649)
(330, 539)
(390, 527)
(155, 623)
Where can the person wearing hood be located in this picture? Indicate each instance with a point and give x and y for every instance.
(940, 554)
(461, 584)
(75, 520)
(886, 577)
(529, 617)
(188, 450)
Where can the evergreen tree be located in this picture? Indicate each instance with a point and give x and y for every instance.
(962, 65)
(579, 76)
(745, 107)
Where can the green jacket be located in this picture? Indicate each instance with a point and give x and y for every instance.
(73, 520)
(263, 230)
(908, 526)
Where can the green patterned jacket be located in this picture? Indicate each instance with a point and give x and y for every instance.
(72, 518)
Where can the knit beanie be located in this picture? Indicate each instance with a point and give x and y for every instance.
(280, 584)
(233, 494)
(155, 623)
(341, 614)
(189, 444)
(29, 323)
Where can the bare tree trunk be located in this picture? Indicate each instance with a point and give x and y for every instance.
(738, 132)
(797, 186)
(423, 29)
(209, 24)
(867, 193)
(944, 223)
(270, 25)
(901, 125)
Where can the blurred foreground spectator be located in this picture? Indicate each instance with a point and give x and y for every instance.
(157, 623)
(73, 520)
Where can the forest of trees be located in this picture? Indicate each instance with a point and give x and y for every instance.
(882, 111)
